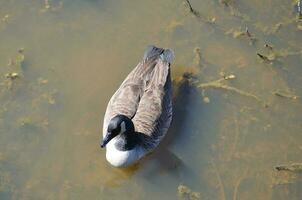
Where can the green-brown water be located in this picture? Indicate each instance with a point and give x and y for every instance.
(223, 143)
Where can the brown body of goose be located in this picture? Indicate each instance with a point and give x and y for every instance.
(139, 113)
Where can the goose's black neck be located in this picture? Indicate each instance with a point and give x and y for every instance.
(126, 139)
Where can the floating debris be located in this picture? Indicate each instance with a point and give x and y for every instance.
(21, 50)
(46, 4)
(270, 47)
(18, 60)
(276, 55)
(25, 121)
(210, 20)
(249, 35)
(185, 192)
(206, 100)
(247, 32)
(272, 56)
(16, 66)
(197, 58)
(42, 81)
(12, 75)
(239, 33)
(266, 58)
(235, 33)
(195, 13)
(5, 18)
(294, 167)
(231, 76)
(285, 95)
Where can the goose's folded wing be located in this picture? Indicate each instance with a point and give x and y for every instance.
(154, 112)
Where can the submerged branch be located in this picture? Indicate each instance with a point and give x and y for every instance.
(196, 14)
(285, 95)
(295, 167)
(192, 10)
(265, 58)
(190, 6)
(218, 85)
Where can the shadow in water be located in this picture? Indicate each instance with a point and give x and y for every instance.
(185, 96)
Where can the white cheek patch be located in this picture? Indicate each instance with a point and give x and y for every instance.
(123, 127)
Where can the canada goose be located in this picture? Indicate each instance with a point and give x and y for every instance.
(139, 113)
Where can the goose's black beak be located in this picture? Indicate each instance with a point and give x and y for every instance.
(106, 140)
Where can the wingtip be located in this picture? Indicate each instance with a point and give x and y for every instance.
(168, 56)
(152, 52)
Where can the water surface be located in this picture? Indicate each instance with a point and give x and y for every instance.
(71, 55)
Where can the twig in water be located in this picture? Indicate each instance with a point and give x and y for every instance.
(194, 12)
(281, 94)
(252, 38)
(197, 59)
(217, 84)
(263, 57)
(295, 167)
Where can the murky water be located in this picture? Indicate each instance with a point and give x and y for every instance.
(226, 137)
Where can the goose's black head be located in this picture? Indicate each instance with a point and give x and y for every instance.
(119, 125)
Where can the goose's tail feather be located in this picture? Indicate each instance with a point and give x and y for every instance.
(167, 56)
(153, 52)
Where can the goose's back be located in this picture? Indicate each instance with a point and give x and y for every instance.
(126, 99)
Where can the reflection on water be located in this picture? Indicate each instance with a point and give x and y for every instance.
(226, 137)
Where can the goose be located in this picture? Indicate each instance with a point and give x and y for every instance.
(139, 113)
